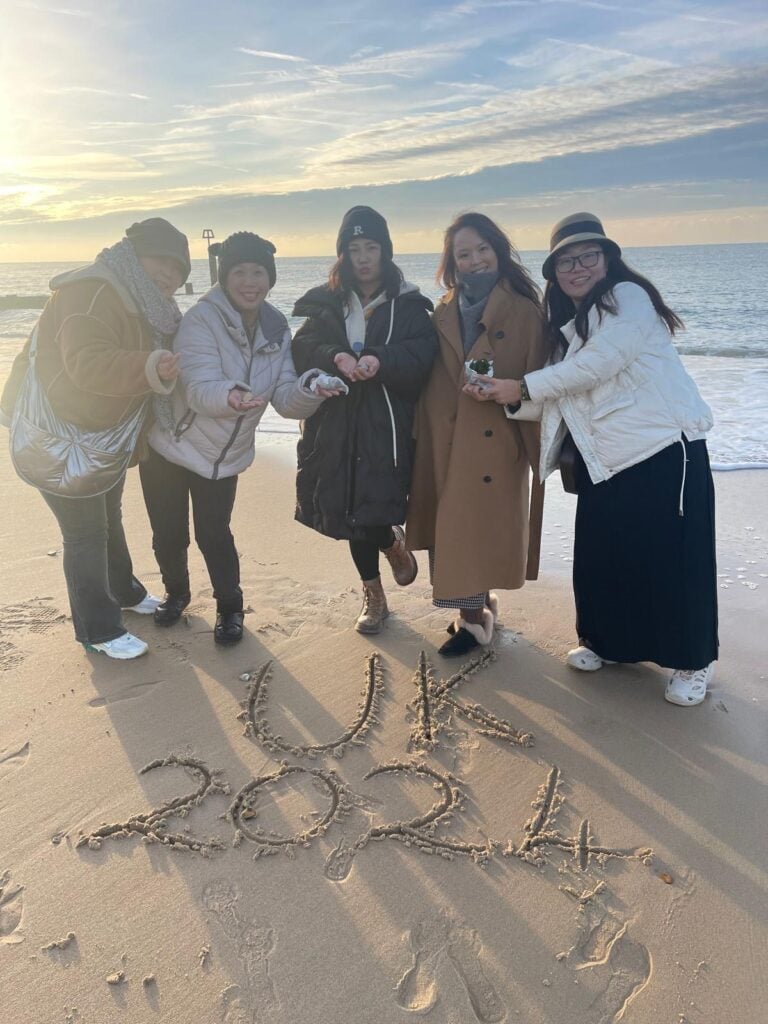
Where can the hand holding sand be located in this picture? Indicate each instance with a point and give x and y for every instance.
(367, 367)
(168, 366)
(243, 401)
(491, 389)
(346, 364)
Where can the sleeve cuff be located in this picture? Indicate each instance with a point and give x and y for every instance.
(160, 387)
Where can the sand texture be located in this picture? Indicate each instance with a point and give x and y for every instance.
(318, 827)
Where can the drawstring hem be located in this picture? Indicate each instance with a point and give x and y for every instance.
(680, 510)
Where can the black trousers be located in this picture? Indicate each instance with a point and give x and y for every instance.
(365, 549)
(97, 563)
(167, 490)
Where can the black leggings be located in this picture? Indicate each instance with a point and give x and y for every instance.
(167, 492)
(365, 549)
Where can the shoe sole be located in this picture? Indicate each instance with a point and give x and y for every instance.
(115, 657)
(170, 622)
(228, 642)
(685, 703)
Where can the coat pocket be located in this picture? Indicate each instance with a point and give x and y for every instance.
(619, 400)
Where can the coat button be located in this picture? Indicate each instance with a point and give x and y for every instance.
(486, 479)
(489, 433)
(499, 334)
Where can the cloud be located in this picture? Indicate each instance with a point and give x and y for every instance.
(272, 56)
(87, 90)
(523, 126)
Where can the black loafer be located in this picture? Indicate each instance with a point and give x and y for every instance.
(461, 642)
(170, 611)
(229, 628)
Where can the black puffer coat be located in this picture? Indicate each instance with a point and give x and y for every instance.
(355, 455)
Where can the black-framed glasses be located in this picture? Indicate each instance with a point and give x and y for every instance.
(587, 260)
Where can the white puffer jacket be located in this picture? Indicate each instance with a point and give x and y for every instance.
(209, 437)
(624, 394)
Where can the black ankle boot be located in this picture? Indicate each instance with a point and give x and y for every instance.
(229, 628)
(170, 611)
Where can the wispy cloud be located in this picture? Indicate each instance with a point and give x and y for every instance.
(87, 90)
(118, 112)
(270, 55)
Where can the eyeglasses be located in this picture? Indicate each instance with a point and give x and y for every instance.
(587, 260)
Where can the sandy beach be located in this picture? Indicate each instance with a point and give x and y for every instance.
(316, 827)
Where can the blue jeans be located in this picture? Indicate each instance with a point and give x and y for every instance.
(97, 563)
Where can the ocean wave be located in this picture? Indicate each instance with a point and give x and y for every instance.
(724, 351)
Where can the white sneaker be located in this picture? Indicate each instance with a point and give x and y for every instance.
(122, 647)
(145, 607)
(585, 660)
(689, 687)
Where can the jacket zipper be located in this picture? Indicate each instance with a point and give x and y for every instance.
(225, 449)
(184, 424)
(231, 441)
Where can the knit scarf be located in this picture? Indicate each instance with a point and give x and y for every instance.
(163, 315)
(474, 290)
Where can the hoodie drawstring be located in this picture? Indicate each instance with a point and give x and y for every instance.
(383, 388)
(680, 511)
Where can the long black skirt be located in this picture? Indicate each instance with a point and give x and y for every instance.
(644, 576)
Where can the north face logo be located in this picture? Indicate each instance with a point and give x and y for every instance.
(357, 230)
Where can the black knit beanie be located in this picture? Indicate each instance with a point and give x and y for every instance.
(246, 247)
(364, 222)
(157, 237)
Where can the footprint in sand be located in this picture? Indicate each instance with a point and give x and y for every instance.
(625, 963)
(10, 656)
(11, 910)
(440, 941)
(11, 760)
(233, 1009)
(131, 692)
(34, 616)
(253, 945)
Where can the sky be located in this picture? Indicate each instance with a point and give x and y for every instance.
(277, 117)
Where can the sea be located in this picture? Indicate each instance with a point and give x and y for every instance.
(720, 291)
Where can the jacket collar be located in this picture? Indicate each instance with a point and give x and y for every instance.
(447, 314)
(271, 328)
(97, 271)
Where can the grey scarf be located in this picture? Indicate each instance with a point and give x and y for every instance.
(163, 315)
(474, 290)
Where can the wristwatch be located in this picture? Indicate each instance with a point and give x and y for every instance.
(524, 393)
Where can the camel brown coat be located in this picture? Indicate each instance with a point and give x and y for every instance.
(470, 489)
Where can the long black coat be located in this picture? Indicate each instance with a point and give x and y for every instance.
(355, 455)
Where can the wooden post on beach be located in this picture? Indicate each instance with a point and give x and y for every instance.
(213, 250)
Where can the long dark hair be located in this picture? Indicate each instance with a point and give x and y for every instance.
(342, 276)
(560, 308)
(510, 267)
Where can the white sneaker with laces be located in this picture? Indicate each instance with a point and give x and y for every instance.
(145, 607)
(123, 648)
(689, 687)
(586, 660)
